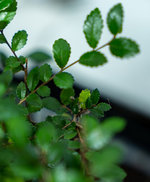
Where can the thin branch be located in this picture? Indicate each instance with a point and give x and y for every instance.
(68, 109)
(12, 49)
(74, 120)
(67, 125)
(62, 69)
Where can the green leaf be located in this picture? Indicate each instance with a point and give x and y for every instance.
(113, 125)
(7, 15)
(18, 130)
(2, 39)
(103, 107)
(19, 40)
(3, 58)
(45, 134)
(13, 64)
(108, 155)
(93, 59)
(44, 91)
(55, 153)
(124, 48)
(45, 72)
(2, 89)
(33, 78)
(115, 19)
(6, 77)
(88, 103)
(69, 134)
(4, 4)
(84, 95)
(96, 136)
(95, 96)
(93, 27)
(74, 106)
(22, 59)
(73, 144)
(99, 110)
(21, 90)
(63, 80)
(39, 56)
(61, 51)
(66, 95)
(34, 103)
(53, 105)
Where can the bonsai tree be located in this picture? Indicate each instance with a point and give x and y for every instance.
(73, 144)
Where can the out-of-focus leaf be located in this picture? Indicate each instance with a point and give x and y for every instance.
(45, 134)
(69, 134)
(39, 56)
(3, 58)
(66, 95)
(73, 144)
(34, 103)
(6, 78)
(18, 130)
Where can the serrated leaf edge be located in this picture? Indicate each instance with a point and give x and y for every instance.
(101, 29)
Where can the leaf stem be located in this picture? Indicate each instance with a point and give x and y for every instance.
(12, 49)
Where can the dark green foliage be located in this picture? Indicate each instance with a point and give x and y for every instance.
(34, 103)
(124, 48)
(7, 14)
(33, 78)
(2, 39)
(93, 59)
(72, 143)
(61, 51)
(13, 64)
(64, 80)
(44, 91)
(93, 27)
(95, 96)
(19, 40)
(21, 90)
(52, 104)
(4, 4)
(115, 19)
(66, 95)
(45, 72)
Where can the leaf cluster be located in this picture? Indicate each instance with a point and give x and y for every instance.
(73, 143)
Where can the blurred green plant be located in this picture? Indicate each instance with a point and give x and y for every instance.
(74, 144)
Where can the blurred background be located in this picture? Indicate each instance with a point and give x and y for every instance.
(123, 83)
